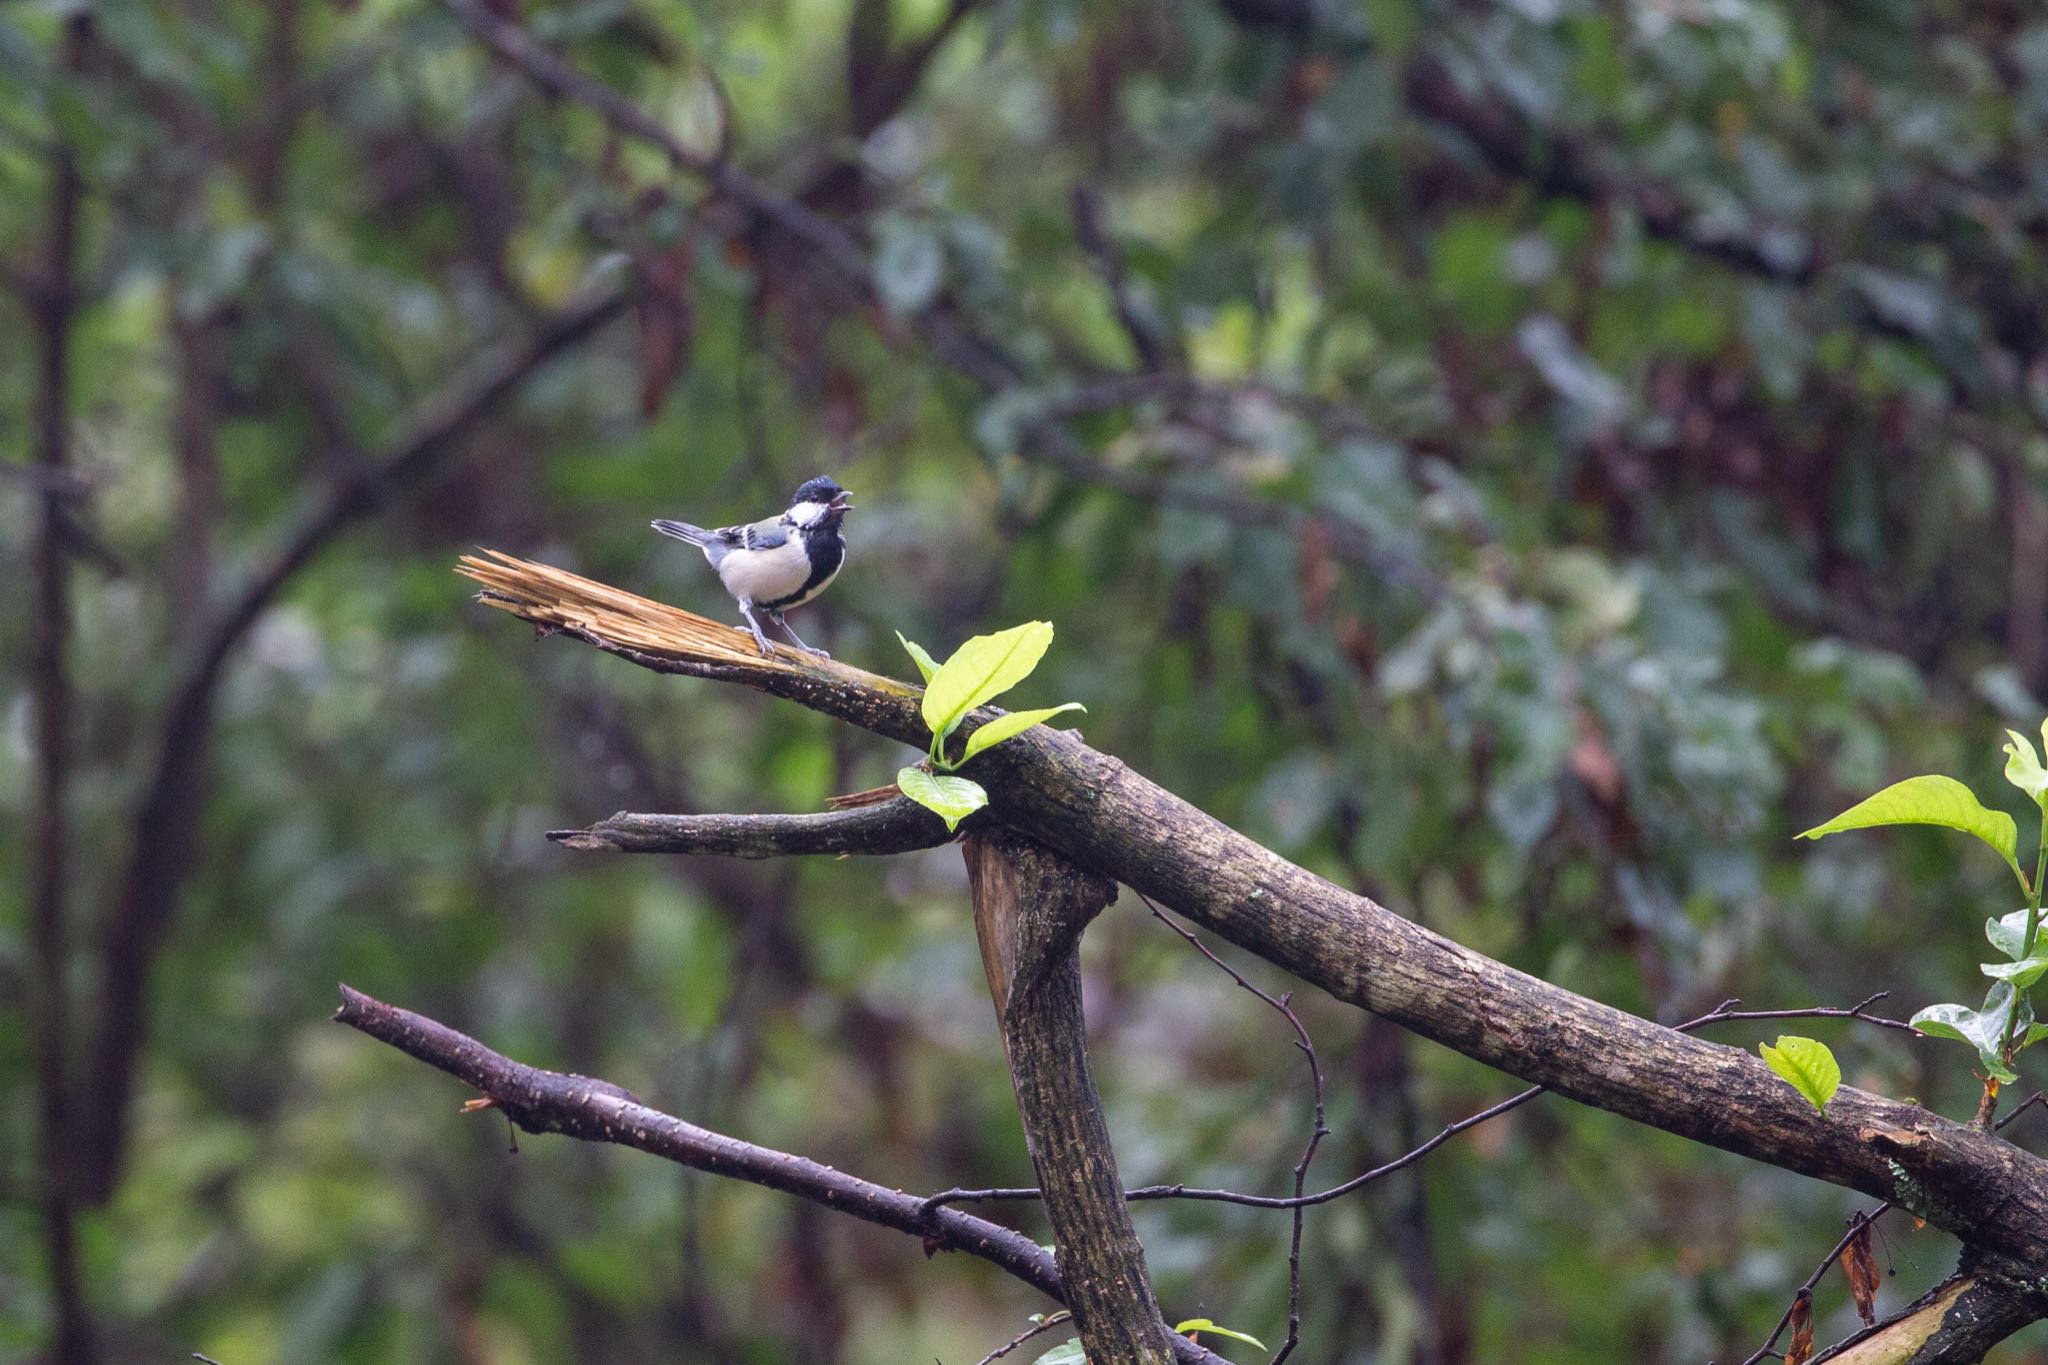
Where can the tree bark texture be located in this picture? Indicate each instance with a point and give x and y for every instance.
(1030, 906)
(1094, 810)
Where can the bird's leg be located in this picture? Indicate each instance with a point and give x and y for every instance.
(790, 631)
(747, 610)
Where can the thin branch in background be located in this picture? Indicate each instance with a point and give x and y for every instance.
(53, 304)
(1044, 437)
(1721, 1014)
(1857, 1222)
(542, 1101)
(1284, 1004)
(166, 820)
(1046, 1325)
(1093, 235)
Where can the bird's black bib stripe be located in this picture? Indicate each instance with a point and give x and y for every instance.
(826, 555)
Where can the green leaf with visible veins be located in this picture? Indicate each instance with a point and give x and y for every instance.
(1930, 800)
(1012, 725)
(1068, 1352)
(981, 670)
(1807, 1065)
(952, 799)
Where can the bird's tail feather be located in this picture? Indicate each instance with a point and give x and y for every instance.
(682, 530)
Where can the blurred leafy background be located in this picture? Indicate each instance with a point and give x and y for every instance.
(1523, 460)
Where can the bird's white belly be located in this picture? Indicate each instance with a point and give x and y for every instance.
(766, 575)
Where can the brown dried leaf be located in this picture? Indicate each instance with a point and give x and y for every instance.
(1801, 1349)
(1861, 1267)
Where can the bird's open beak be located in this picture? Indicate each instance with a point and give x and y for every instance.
(841, 501)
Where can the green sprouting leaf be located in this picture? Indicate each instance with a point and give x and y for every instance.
(952, 799)
(1983, 1029)
(926, 664)
(1807, 1065)
(2008, 934)
(1012, 725)
(1068, 1352)
(2023, 767)
(1930, 800)
(1205, 1325)
(982, 669)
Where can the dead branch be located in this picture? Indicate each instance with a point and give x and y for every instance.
(542, 1101)
(895, 826)
(1103, 816)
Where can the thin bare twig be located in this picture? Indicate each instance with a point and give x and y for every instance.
(1720, 1014)
(1284, 1004)
(1014, 1342)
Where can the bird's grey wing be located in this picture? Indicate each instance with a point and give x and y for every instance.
(759, 535)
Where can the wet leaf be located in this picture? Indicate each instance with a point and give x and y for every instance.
(1807, 1065)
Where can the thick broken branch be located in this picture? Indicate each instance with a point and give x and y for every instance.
(1100, 814)
(898, 826)
(1030, 906)
(542, 1101)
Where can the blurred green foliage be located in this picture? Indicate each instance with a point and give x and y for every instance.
(1538, 456)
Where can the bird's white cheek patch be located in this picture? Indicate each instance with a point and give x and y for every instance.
(804, 513)
(765, 575)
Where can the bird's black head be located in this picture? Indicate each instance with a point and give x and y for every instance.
(822, 490)
(819, 504)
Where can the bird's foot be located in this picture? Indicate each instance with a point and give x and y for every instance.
(813, 649)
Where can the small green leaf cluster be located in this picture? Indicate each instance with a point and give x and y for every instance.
(2004, 1023)
(1808, 1065)
(982, 669)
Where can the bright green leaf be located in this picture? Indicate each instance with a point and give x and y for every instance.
(1807, 1065)
(1983, 1029)
(1205, 1325)
(1011, 725)
(1068, 1352)
(2023, 768)
(952, 799)
(1930, 800)
(982, 669)
(926, 664)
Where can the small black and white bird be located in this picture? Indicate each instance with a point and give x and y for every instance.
(780, 563)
